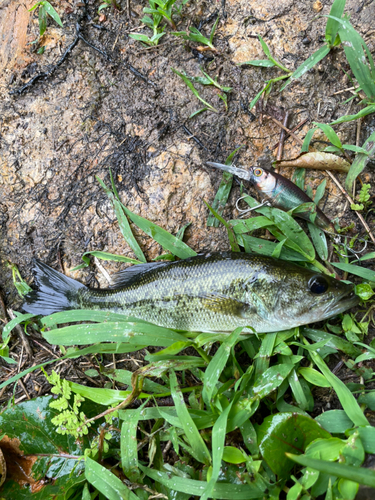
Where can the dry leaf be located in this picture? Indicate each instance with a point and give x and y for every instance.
(317, 6)
(317, 161)
(18, 465)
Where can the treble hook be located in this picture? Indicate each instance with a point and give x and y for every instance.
(338, 241)
(264, 203)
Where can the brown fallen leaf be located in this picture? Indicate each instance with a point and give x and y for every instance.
(18, 466)
(317, 161)
(317, 6)
(3, 468)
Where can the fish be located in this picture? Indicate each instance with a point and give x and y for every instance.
(215, 292)
(279, 191)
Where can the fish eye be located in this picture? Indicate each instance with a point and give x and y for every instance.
(258, 172)
(318, 284)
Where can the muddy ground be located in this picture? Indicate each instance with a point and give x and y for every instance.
(120, 106)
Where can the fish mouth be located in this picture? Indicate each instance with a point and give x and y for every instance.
(345, 301)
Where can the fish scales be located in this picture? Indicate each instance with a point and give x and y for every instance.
(213, 293)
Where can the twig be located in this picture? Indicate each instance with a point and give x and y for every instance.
(192, 136)
(293, 130)
(22, 335)
(45, 348)
(344, 90)
(102, 270)
(358, 135)
(281, 140)
(24, 389)
(292, 134)
(351, 201)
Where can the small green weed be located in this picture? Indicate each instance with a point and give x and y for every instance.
(109, 3)
(363, 198)
(338, 31)
(204, 80)
(194, 35)
(187, 79)
(159, 10)
(45, 8)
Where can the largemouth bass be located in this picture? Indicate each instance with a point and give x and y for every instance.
(211, 293)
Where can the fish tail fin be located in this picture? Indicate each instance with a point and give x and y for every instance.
(55, 291)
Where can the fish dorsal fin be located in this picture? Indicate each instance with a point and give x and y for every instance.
(130, 274)
(223, 304)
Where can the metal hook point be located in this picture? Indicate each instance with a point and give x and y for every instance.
(264, 203)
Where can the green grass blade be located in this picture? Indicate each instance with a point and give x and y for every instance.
(262, 362)
(302, 396)
(51, 11)
(241, 226)
(96, 349)
(348, 118)
(195, 113)
(106, 482)
(267, 51)
(13, 323)
(360, 162)
(132, 333)
(222, 194)
(333, 26)
(84, 315)
(201, 418)
(192, 434)
(123, 223)
(218, 442)
(192, 487)
(125, 376)
(212, 34)
(308, 64)
(271, 379)
(314, 377)
(332, 341)
(231, 236)
(103, 256)
(265, 247)
(258, 96)
(217, 365)
(320, 192)
(297, 238)
(319, 240)
(101, 396)
(262, 63)
(362, 272)
(347, 400)
(128, 444)
(165, 239)
(307, 140)
(221, 198)
(330, 134)
(356, 51)
(356, 474)
(194, 90)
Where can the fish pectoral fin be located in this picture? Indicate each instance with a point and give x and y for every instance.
(226, 305)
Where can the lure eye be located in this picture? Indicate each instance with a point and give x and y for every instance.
(258, 172)
(318, 284)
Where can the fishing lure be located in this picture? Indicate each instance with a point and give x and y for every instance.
(279, 191)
